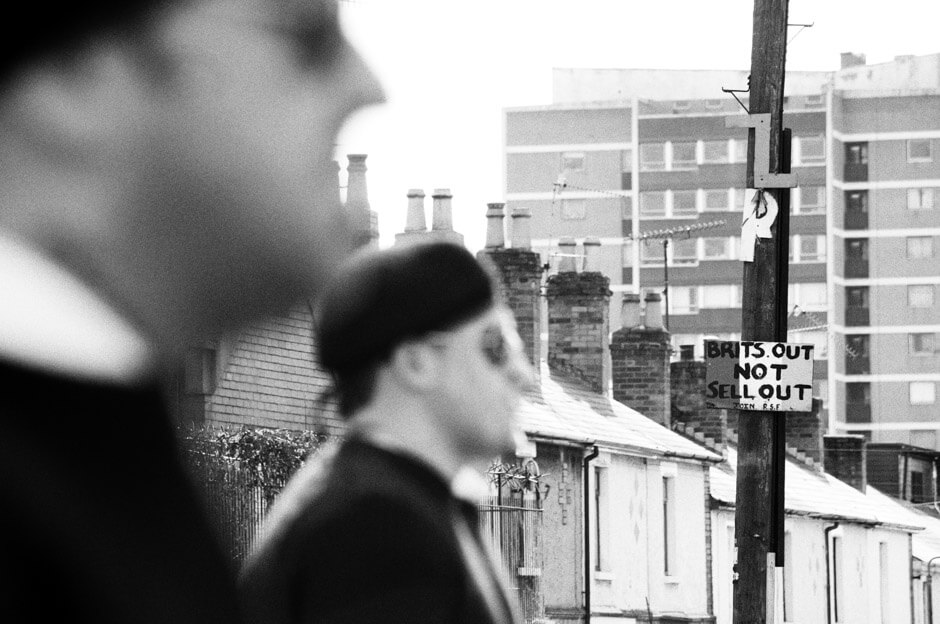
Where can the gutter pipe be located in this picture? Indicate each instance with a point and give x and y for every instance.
(829, 529)
(587, 532)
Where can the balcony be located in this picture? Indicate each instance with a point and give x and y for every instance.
(857, 316)
(857, 412)
(855, 172)
(856, 267)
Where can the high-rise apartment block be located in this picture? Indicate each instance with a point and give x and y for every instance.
(645, 162)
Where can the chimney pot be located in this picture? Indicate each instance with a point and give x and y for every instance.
(653, 317)
(442, 218)
(630, 311)
(521, 231)
(495, 237)
(592, 255)
(566, 249)
(415, 221)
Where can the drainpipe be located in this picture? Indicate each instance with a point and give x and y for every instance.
(929, 588)
(587, 533)
(827, 531)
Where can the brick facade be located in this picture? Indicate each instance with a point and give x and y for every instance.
(844, 458)
(519, 274)
(640, 371)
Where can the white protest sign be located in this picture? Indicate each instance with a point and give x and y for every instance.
(760, 376)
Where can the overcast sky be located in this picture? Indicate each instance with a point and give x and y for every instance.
(449, 68)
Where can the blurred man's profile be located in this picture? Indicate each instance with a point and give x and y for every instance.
(429, 371)
(166, 176)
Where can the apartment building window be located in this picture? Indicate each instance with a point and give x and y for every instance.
(683, 300)
(808, 295)
(651, 253)
(812, 248)
(572, 161)
(919, 150)
(856, 153)
(740, 197)
(812, 150)
(856, 210)
(713, 104)
(652, 156)
(812, 199)
(627, 254)
(858, 402)
(684, 251)
(626, 160)
(681, 105)
(920, 199)
(856, 305)
(683, 155)
(922, 343)
(716, 199)
(670, 548)
(715, 151)
(920, 296)
(716, 248)
(919, 247)
(922, 392)
(573, 209)
(683, 203)
(653, 204)
(718, 296)
(739, 150)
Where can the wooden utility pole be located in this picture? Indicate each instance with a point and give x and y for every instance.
(759, 487)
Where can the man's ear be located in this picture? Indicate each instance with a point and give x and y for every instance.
(83, 108)
(415, 364)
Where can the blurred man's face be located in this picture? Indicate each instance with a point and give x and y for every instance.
(236, 189)
(483, 374)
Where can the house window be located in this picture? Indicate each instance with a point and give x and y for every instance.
(918, 150)
(653, 204)
(919, 247)
(684, 251)
(788, 612)
(573, 209)
(720, 297)
(920, 296)
(716, 199)
(922, 392)
(715, 151)
(652, 156)
(683, 300)
(812, 199)
(920, 199)
(601, 518)
(838, 597)
(739, 150)
(670, 554)
(572, 161)
(716, 248)
(922, 343)
(683, 155)
(683, 204)
(812, 149)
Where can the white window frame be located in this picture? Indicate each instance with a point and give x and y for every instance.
(572, 158)
(917, 159)
(820, 158)
(683, 260)
(819, 207)
(682, 165)
(727, 252)
(684, 193)
(919, 290)
(670, 520)
(919, 350)
(644, 196)
(922, 247)
(690, 294)
(715, 193)
(725, 156)
(573, 209)
(736, 155)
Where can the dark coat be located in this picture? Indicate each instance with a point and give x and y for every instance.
(371, 536)
(99, 520)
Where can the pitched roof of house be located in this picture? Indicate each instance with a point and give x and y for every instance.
(817, 495)
(925, 544)
(566, 409)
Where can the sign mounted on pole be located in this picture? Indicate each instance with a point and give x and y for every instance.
(759, 376)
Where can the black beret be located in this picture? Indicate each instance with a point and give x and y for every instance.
(381, 298)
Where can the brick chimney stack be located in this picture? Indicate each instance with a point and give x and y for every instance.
(361, 216)
(805, 432)
(844, 458)
(578, 321)
(640, 362)
(687, 377)
(519, 273)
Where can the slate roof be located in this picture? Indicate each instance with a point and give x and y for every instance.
(924, 544)
(566, 409)
(818, 495)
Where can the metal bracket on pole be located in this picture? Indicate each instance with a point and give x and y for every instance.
(763, 178)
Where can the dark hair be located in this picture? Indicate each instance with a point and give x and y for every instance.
(62, 28)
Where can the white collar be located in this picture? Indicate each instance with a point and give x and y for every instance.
(52, 321)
